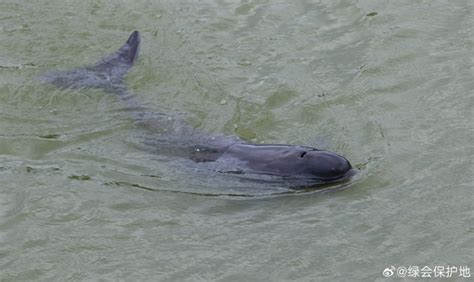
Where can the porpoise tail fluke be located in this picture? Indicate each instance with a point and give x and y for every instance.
(116, 65)
(107, 73)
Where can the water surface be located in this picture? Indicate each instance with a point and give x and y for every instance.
(389, 86)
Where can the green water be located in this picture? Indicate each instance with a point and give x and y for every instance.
(387, 84)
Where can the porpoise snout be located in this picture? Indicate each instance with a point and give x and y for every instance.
(327, 165)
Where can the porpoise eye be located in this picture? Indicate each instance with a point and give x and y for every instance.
(302, 154)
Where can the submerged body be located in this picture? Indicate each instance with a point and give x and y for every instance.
(305, 166)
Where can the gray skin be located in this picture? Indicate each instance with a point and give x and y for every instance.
(294, 165)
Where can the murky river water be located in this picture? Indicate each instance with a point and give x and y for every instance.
(388, 85)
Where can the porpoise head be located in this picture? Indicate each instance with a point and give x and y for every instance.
(322, 165)
(295, 163)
